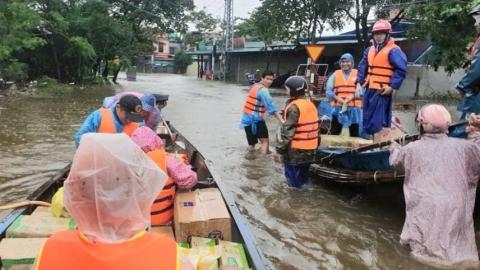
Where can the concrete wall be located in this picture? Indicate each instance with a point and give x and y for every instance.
(430, 81)
(192, 70)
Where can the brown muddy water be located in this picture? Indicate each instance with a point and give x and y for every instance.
(321, 226)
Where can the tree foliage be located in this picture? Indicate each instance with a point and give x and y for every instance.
(64, 39)
(182, 61)
(449, 28)
(292, 20)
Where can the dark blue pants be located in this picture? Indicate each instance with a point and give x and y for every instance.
(296, 174)
(377, 111)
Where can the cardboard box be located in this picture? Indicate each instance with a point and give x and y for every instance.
(184, 245)
(196, 242)
(395, 131)
(224, 267)
(33, 227)
(233, 255)
(41, 212)
(168, 230)
(201, 213)
(343, 142)
(20, 253)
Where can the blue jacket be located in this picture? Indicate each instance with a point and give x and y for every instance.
(353, 115)
(331, 80)
(92, 123)
(397, 59)
(264, 97)
(470, 99)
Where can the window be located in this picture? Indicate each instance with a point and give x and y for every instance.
(172, 50)
(160, 47)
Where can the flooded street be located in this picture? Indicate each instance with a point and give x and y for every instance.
(322, 226)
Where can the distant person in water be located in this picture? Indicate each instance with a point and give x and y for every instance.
(258, 102)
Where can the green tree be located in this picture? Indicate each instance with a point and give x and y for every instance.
(205, 25)
(295, 19)
(245, 28)
(449, 28)
(182, 61)
(17, 25)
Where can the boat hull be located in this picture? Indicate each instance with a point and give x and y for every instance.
(207, 178)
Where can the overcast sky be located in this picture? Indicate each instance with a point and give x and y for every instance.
(241, 8)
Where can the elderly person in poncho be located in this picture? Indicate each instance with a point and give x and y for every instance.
(150, 112)
(441, 176)
(109, 191)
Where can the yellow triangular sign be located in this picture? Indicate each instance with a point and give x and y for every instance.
(314, 51)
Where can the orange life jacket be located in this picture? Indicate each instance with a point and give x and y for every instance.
(306, 132)
(162, 208)
(107, 124)
(474, 48)
(345, 88)
(67, 250)
(380, 71)
(252, 104)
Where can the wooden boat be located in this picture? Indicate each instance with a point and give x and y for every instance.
(207, 178)
(362, 168)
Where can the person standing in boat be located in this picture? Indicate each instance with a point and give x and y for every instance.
(150, 112)
(258, 102)
(179, 174)
(382, 71)
(109, 192)
(341, 93)
(299, 135)
(468, 88)
(124, 117)
(441, 177)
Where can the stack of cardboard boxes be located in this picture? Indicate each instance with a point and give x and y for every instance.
(202, 226)
(26, 236)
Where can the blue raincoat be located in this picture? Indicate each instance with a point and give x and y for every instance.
(353, 115)
(470, 98)
(377, 109)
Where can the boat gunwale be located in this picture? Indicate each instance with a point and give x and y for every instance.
(257, 258)
(254, 250)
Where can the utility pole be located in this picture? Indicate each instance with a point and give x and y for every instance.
(227, 39)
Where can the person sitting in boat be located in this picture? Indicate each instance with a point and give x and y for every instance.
(441, 177)
(382, 71)
(109, 192)
(124, 117)
(150, 112)
(341, 93)
(179, 174)
(257, 103)
(300, 133)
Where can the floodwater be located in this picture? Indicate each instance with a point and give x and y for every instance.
(321, 226)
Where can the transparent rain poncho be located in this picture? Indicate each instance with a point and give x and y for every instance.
(111, 187)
